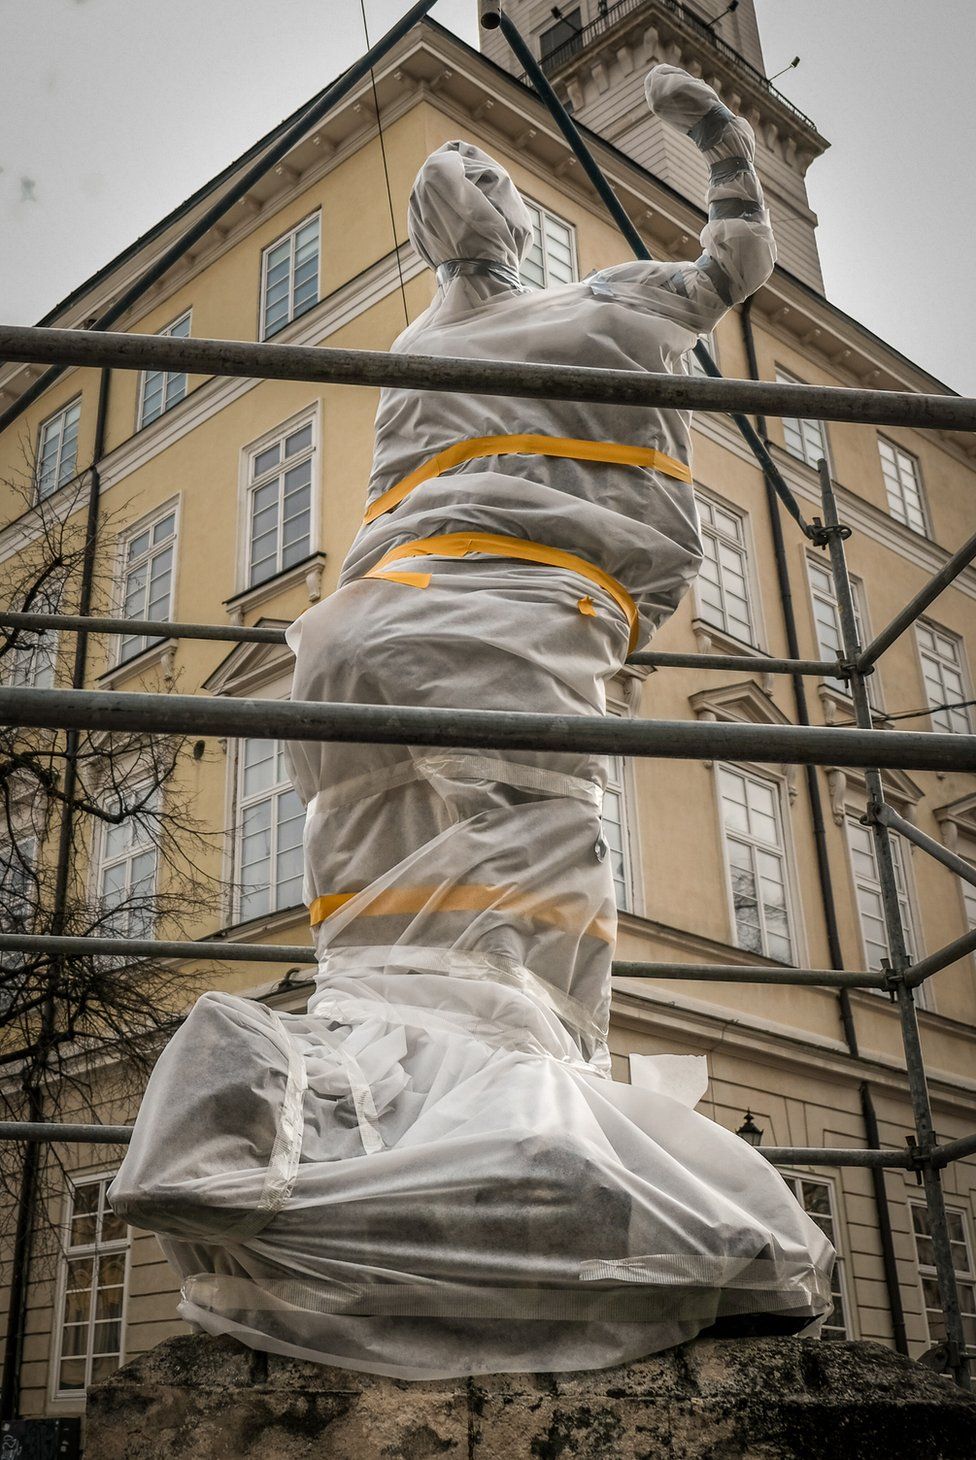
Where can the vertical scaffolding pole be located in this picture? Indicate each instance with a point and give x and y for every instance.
(899, 956)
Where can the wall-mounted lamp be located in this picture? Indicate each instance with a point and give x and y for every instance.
(750, 1131)
(791, 67)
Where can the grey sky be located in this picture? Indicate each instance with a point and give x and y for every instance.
(113, 111)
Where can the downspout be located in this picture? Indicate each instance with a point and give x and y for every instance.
(29, 1189)
(825, 879)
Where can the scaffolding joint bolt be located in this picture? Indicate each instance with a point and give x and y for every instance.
(822, 535)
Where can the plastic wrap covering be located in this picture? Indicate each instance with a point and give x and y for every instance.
(430, 1173)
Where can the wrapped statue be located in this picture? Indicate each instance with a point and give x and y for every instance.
(431, 1172)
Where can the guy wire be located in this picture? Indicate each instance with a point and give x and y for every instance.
(386, 171)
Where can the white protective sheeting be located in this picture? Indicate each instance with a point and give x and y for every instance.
(430, 1173)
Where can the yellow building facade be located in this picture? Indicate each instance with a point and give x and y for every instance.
(233, 501)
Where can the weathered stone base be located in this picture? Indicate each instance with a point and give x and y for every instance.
(199, 1398)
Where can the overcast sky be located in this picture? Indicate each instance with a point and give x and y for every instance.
(114, 111)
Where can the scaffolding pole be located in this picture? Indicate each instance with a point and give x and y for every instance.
(242, 634)
(899, 956)
(323, 365)
(109, 712)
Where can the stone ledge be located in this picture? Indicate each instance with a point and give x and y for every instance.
(200, 1398)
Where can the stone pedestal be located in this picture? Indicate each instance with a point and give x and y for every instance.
(199, 1398)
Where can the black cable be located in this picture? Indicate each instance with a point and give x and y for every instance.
(386, 171)
(917, 714)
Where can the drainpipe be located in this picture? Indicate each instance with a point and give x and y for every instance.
(30, 1172)
(825, 879)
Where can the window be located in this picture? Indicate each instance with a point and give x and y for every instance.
(160, 388)
(867, 885)
(806, 440)
(32, 659)
(290, 277)
(617, 833)
(826, 617)
(16, 868)
(18, 891)
(279, 511)
(945, 684)
(903, 483)
(722, 586)
(57, 451)
(969, 904)
(126, 871)
(552, 257)
(962, 1262)
(146, 588)
(270, 823)
(816, 1197)
(695, 367)
(563, 37)
(756, 854)
(92, 1283)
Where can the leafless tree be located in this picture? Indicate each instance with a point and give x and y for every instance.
(98, 837)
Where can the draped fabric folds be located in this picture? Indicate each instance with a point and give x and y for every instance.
(431, 1172)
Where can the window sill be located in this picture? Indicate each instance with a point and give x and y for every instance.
(838, 708)
(163, 653)
(710, 639)
(310, 571)
(260, 927)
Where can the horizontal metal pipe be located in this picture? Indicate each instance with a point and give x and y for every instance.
(764, 664)
(925, 967)
(323, 366)
(890, 817)
(954, 1150)
(494, 729)
(19, 1130)
(210, 949)
(154, 628)
(216, 951)
(41, 1130)
(240, 634)
(751, 973)
(907, 616)
(833, 1156)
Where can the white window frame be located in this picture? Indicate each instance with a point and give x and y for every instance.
(793, 906)
(289, 236)
(961, 666)
(100, 863)
(783, 377)
(96, 1250)
(895, 497)
(241, 803)
(124, 567)
(546, 215)
(308, 416)
(927, 1269)
(967, 892)
(27, 848)
(59, 420)
(33, 661)
(840, 1274)
(747, 548)
(174, 381)
(623, 782)
(902, 853)
(862, 622)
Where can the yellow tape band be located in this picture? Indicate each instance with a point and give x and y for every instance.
(566, 446)
(461, 544)
(464, 897)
